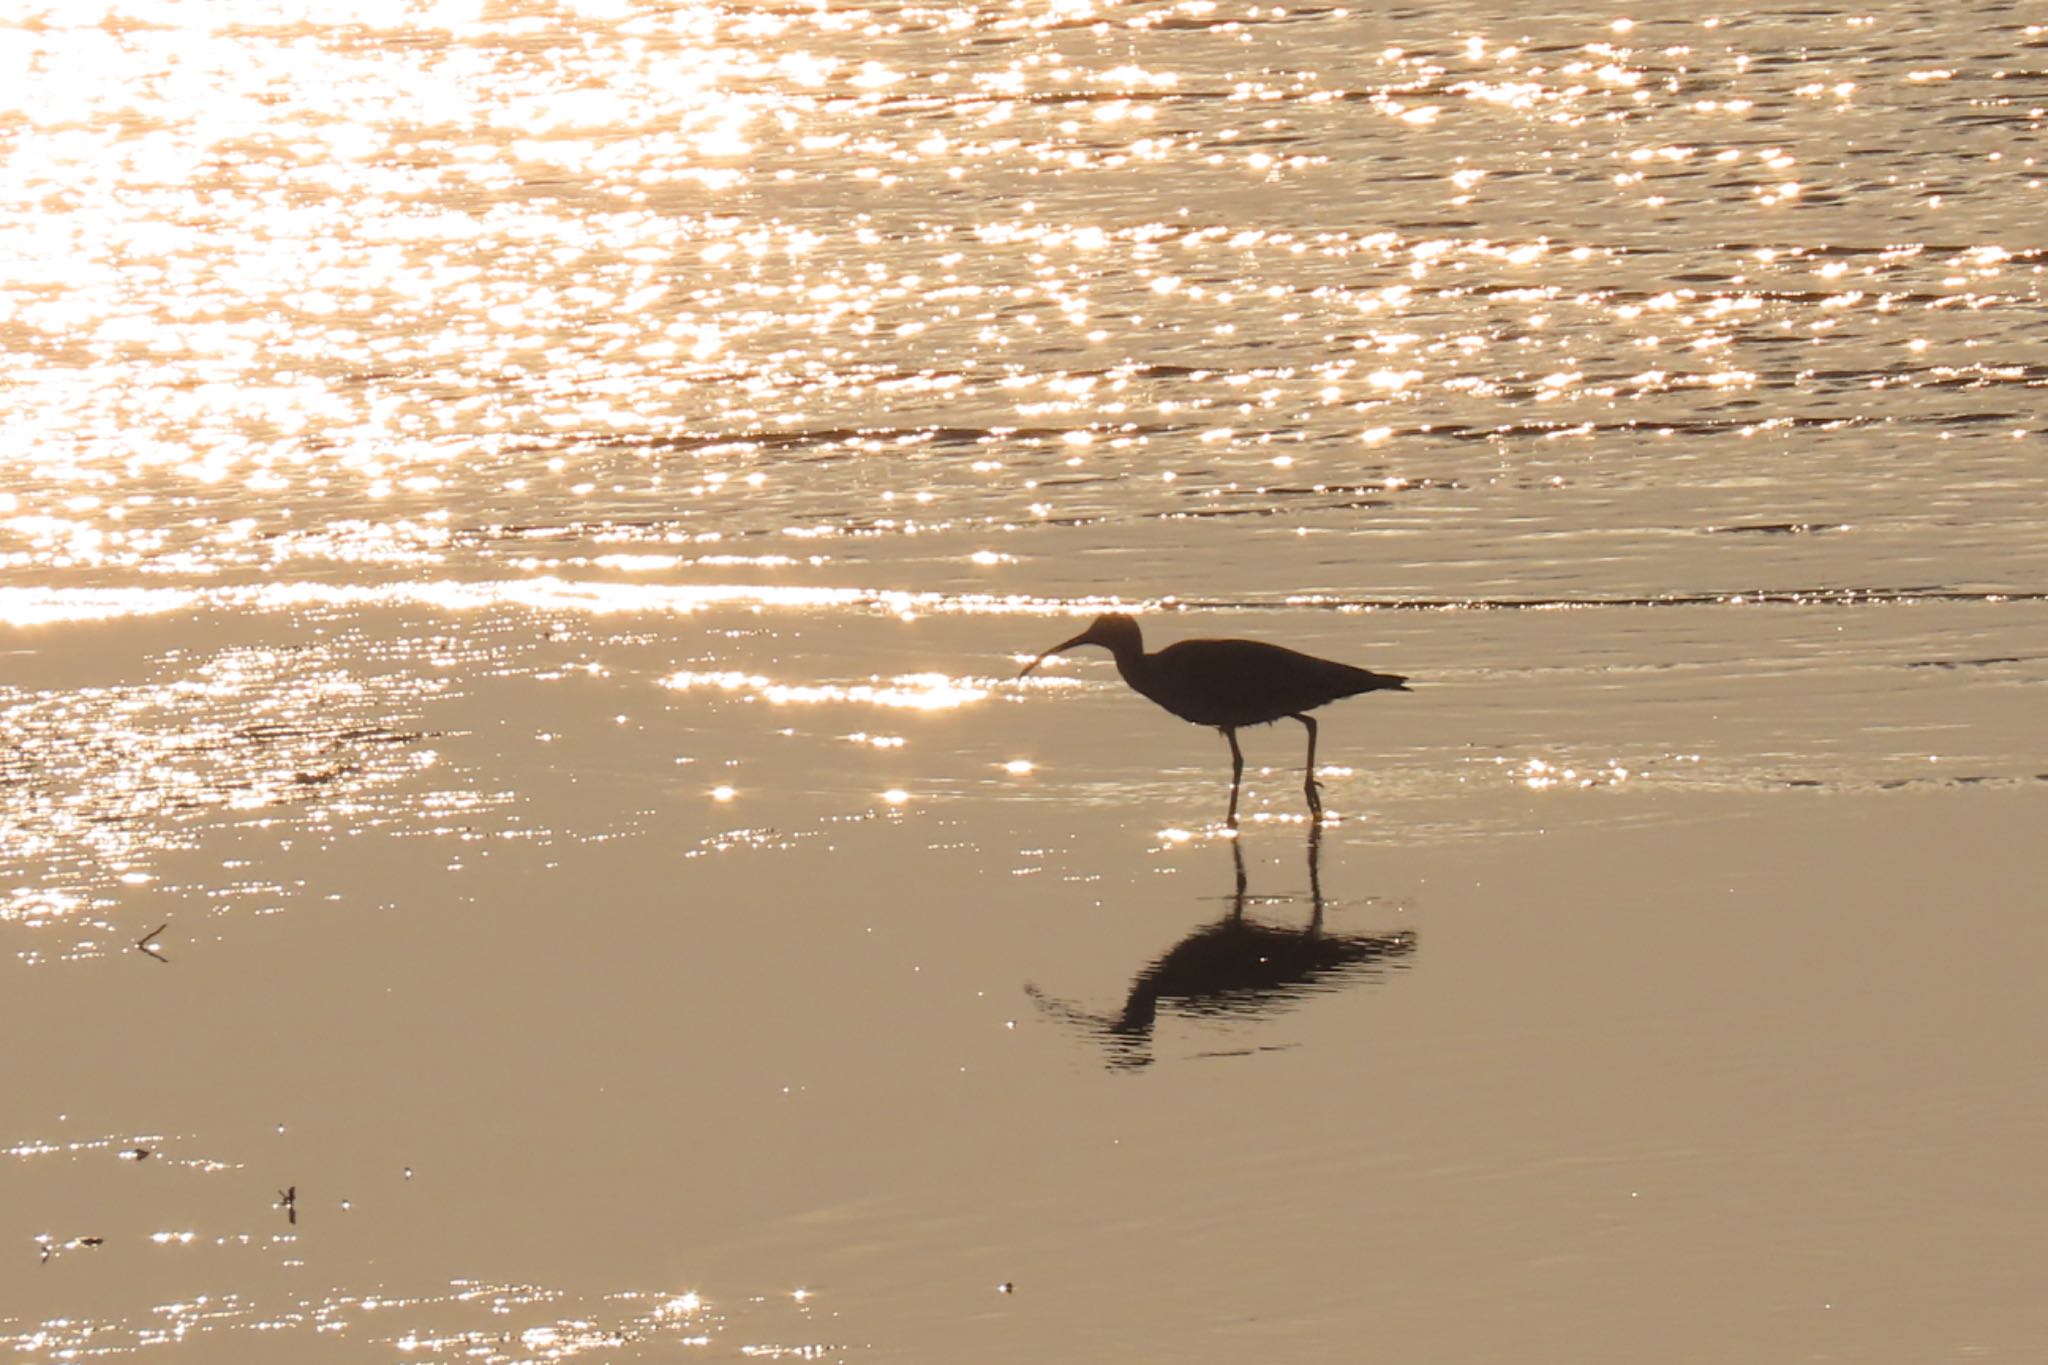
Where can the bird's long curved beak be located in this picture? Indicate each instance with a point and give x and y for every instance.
(1083, 638)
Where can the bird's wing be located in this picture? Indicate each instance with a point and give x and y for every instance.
(1249, 682)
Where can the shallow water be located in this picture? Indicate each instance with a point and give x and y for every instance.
(518, 527)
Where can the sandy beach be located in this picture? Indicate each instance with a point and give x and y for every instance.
(1627, 1066)
(523, 840)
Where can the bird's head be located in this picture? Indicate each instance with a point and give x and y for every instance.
(1114, 631)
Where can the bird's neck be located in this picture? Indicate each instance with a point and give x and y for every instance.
(1134, 665)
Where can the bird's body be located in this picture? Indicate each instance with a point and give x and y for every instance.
(1230, 684)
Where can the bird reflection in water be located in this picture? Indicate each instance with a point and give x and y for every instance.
(1238, 967)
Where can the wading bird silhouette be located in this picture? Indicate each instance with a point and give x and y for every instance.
(1230, 684)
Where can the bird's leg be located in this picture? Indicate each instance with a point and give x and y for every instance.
(1236, 773)
(1315, 800)
(1315, 875)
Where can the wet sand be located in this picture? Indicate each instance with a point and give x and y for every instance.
(1642, 1063)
